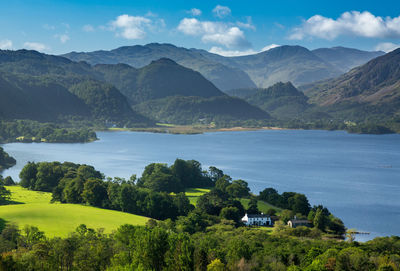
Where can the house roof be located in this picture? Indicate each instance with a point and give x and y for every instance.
(257, 216)
(300, 221)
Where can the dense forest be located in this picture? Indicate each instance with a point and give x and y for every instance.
(33, 131)
(165, 246)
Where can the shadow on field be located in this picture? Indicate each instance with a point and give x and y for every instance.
(2, 224)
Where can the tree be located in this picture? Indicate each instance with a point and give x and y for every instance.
(320, 220)
(231, 213)
(238, 189)
(4, 193)
(215, 173)
(216, 265)
(27, 175)
(94, 192)
(271, 196)
(223, 182)
(9, 181)
(299, 204)
(182, 204)
(158, 177)
(73, 190)
(253, 206)
(48, 176)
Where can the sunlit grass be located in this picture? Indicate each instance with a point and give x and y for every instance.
(55, 219)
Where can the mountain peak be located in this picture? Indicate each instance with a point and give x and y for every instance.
(164, 61)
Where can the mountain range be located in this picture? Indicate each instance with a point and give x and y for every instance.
(369, 91)
(281, 64)
(48, 88)
(44, 87)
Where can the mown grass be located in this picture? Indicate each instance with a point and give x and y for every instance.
(55, 219)
(262, 205)
(194, 193)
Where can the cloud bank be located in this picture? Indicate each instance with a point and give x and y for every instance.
(222, 52)
(36, 46)
(214, 32)
(6, 45)
(131, 27)
(353, 23)
(387, 47)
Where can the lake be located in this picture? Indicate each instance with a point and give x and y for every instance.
(356, 176)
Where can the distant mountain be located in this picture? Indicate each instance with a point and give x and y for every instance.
(161, 78)
(282, 100)
(44, 87)
(168, 92)
(222, 76)
(372, 89)
(344, 59)
(282, 64)
(286, 63)
(190, 110)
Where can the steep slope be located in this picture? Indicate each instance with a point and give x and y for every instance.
(286, 63)
(159, 79)
(344, 59)
(372, 89)
(192, 110)
(32, 98)
(138, 56)
(37, 86)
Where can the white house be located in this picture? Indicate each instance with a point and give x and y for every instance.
(257, 220)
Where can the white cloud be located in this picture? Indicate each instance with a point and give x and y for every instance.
(131, 27)
(248, 25)
(36, 46)
(88, 28)
(222, 52)
(221, 11)
(354, 23)
(387, 47)
(214, 32)
(62, 37)
(6, 45)
(195, 12)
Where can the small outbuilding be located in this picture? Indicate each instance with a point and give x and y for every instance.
(294, 223)
(257, 220)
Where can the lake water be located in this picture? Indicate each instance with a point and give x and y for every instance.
(356, 176)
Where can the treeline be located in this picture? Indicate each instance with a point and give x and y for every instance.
(32, 131)
(296, 204)
(6, 161)
(149, 195)
(4, 193)
(164, 246)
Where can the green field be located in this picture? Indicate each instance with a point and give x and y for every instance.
(262, 205)
(194, 193)
(55, 219)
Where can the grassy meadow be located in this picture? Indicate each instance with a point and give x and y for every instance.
(55, 219)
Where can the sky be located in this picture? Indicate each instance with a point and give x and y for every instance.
(227, 27)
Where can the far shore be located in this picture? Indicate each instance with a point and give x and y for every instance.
(188, 129)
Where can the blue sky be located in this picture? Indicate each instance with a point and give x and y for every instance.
(228, 27)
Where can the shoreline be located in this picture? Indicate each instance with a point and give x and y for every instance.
(187, 129)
